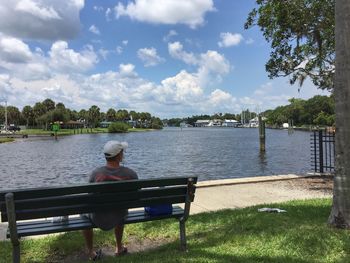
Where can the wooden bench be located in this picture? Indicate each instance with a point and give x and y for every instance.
(28, 211)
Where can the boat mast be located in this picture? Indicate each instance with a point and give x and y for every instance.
(5, 115)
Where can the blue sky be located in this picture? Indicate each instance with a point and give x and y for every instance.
(172, 58)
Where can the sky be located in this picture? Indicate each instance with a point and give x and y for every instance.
(172, 58)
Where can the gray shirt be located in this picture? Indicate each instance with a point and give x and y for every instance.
(108, 220)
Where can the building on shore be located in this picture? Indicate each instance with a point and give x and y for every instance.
(230, 123)
(215, 123)
(254, 123)
(201, 123)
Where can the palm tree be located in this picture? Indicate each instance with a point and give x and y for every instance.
(110, 115)
(94, 116)
(28, 114)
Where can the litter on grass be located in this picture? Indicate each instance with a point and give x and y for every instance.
(271, 210)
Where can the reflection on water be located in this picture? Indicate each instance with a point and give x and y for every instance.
(263, 161)
(209, 153)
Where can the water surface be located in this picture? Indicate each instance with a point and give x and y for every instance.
(209, 153)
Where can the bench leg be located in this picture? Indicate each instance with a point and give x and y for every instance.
(12, 224)
(183, 235)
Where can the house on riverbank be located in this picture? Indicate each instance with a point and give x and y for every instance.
(201, 123)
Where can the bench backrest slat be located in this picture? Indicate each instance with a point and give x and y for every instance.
(95, 198)
(100, 187)
(81, 209)
(56, 201)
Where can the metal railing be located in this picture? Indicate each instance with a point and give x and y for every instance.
(323, 151)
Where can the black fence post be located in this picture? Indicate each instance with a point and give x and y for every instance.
(320, 150)
(315, 151)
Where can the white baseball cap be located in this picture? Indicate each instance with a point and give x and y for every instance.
(113, 148)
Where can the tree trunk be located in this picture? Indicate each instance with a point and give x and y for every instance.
(340, 214)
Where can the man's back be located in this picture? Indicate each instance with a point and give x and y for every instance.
(108, 220)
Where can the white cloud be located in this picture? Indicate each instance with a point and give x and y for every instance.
(222, 101)
(37, 9)
(17, 60)
(40, 19)
(211, 65)
(119, 50)
(64, 59)
(149, 56)
(264, 89)
(108, 14)
(228, 39)
(277, 92)
(5, 88)
(127, 70)
(176, 51)
(103, 53)
(94, 29)
(212, 61)
(171, 12)
(60, 88)
(98, 8)
(182, 88)
(171, 33)
(13, 50)
(175, 96)
(125, 42)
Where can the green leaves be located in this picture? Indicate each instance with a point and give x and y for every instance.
(319, 110)
(301, 33)
(118, 127)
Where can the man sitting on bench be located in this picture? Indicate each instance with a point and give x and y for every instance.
(112, 171)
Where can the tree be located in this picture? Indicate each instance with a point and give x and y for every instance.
(49, 104)
(156, 123)
(110, 115)
(118, 127)
(73, 114)
(28, 114)
(58, 114)
(134, 115)
(301, 33)
(2, 114)
(82, 114)
(13, 115)
(60, 105)
(102, 115)
(94, 116)
(318, 110)
(340, 214)
(38, 110)
(122, 115)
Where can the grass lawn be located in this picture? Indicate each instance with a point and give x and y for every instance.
(244, 235)
(3, 140)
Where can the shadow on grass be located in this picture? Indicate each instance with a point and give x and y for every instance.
(242, 235)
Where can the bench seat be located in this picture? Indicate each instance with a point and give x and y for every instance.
(29, 211)
(46, 226)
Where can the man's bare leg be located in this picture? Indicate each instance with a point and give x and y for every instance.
(89, 237)
(118, 231)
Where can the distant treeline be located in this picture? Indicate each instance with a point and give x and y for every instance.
(45, 112)
(319, 110)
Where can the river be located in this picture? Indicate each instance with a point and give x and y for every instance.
(209, 153)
